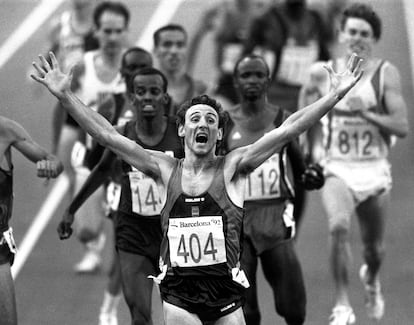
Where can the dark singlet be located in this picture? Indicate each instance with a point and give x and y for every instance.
(201, 233)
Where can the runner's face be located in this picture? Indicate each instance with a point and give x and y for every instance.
(358, 37)
(251, 79)
(149, 97)
(200, 130)
(171, 50)
(135, 60)
(112, 32)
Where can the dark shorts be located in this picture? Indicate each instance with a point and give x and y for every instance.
(6, 256)
(263, 224)
(138, 235)
(209, 299)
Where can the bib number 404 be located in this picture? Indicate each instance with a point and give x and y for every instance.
(193, 248)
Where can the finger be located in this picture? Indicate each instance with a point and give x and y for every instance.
(55, 63)
(358, 67)
(45, 64)
(40, 70)
(352, 62)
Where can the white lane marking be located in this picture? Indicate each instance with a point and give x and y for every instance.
(162, 15)
(408, 8)
(39, 223)
(27, 28)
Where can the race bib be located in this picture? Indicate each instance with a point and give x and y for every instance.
(295, 62)
(355, 140)
(196, 241)
(231, 53)
(264, 181)
(145, 197)
(113, 195)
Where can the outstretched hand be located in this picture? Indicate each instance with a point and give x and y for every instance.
(342, 82)
(51, 76)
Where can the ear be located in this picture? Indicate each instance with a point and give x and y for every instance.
(166, 99)
(220, 134)
(181, 131)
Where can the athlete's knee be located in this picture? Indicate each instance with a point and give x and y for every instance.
(86, 235)
(339, 231)
(374, 252)
(294, 314)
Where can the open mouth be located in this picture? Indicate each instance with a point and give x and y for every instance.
(201, 138)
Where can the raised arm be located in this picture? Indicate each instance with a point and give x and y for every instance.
(272, 142)
(58, 83)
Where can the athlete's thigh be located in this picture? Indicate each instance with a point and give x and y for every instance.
(135, 283)
(283, 271)
(338, 202)
(372, 215)
(174, 315)
(234, 318)
(8, 314)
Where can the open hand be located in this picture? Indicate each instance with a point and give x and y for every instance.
(342, 82)
(51, 76)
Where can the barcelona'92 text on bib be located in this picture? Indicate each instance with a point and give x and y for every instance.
(264, 181)
(355, 139)
(196, 241)
(145, 197)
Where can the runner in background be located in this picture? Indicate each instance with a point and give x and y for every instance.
(268, 224)
(290, 36)
(97, 78)
(133, 59)
(229, 21)
(352, 143)
(170, 53)
(13, 135)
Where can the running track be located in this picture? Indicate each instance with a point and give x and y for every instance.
(48, 292)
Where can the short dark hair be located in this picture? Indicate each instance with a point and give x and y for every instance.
(147, 71)
(365, 12)
(205, 100)
(112, 6)
(169, 27)
(134, 49)
(252, 57)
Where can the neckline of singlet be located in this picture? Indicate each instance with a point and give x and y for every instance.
(218, 161)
